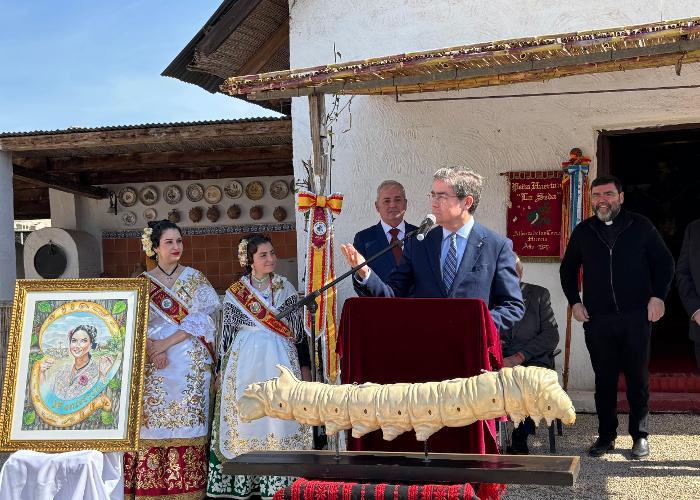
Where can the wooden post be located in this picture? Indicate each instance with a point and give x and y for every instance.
(567, 349)
(319, 142)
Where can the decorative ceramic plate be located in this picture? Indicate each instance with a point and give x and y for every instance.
(255, 190)
(172, 194)
(127, 197)
(279, 190)
(150, 214)
(233, 189)
(148, 195)
(128, 218)
(213, 194)
(195, 192)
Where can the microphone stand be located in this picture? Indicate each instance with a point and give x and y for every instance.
(309, 301)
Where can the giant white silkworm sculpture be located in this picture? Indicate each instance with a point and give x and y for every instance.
(396, 408)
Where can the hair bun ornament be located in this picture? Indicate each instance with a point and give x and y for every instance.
(146, 242)
(243, 252)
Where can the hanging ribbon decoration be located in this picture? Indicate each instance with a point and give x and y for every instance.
(320, 270)
(576, 206)
(576, 200)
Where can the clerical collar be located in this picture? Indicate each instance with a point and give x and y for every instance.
(609, 222)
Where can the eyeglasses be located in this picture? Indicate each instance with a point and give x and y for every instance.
(440, 197)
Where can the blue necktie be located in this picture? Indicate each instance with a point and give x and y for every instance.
(449, 268)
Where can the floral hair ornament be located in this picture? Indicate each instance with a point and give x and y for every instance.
(243, 252)
(146, 242)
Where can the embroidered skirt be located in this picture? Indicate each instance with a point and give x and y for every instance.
(177, 472)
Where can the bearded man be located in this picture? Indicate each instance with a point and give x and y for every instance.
(627, 273)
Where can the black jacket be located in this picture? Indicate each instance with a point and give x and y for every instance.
(536, 334)
(621, 277)
(688, 275)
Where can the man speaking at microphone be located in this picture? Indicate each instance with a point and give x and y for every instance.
(459, 258)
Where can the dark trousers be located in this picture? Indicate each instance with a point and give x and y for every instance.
(620, 343)
(697, 354)
(527, 426)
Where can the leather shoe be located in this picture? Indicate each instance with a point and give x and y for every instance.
(640, 448)
(600, 447)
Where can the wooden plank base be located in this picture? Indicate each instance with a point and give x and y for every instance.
(409, 467)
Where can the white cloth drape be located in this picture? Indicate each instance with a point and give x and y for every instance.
(74, 475)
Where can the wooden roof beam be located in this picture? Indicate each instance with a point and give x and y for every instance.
(190, 174)
(52, 181)
(529, 70)
(156, 160)
(146, 135)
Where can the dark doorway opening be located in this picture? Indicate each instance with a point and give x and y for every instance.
(660, 172)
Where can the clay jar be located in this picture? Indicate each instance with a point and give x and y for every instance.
(233, 212)
(279, 214)
(256, 212)
(174, 216)
(213, 213)
(196, 214)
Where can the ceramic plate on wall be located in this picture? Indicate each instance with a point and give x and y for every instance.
(255, 190)
(233, 189)
(279, 190)
(213, 194)
(150, 214)
(128, 218)
(195, 192)
(172, 194)
(148, 195)
(127, 197)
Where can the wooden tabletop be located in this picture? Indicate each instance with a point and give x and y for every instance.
(409, 467)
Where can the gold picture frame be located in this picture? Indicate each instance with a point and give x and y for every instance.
(75, 365)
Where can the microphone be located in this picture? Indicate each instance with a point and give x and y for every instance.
(425, 226)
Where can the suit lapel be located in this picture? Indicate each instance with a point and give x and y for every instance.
(475, 245)
(432, 242)
(383, 242)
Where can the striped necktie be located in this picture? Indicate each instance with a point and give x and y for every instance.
(449, 268)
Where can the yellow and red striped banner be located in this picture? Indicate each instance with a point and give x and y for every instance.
(320, 270)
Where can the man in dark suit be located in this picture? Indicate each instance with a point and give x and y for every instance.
(531, 342)
(688, 278)
(459, 258)
(391, 205)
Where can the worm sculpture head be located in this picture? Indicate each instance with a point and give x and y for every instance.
(268, 398)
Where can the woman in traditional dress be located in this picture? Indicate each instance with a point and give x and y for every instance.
(172, 459)
(251, 344)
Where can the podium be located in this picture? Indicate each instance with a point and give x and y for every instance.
(390, 340)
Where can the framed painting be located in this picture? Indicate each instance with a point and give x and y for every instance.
(75, 364)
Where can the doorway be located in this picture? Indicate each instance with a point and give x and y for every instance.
(660, 173)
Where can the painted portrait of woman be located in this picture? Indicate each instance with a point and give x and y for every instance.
(75, 379)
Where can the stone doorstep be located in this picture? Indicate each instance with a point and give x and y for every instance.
(659, 402)
(668, 382)
(666, 402)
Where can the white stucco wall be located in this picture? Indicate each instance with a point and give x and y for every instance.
(409, 141)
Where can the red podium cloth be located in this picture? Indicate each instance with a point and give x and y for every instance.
(390, 340)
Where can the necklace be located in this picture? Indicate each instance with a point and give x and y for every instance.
(171, 272)
(260, 282)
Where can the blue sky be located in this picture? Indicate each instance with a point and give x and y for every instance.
(97, 63)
